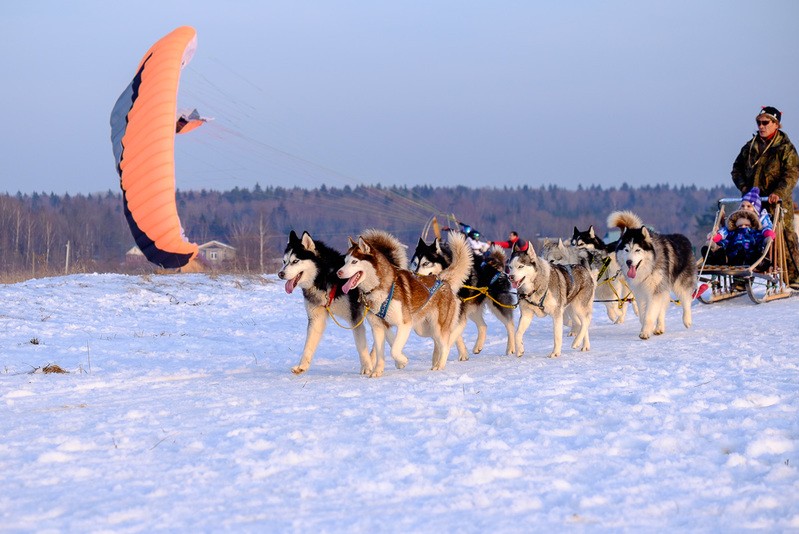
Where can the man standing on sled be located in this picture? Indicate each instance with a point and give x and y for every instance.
(770, 161)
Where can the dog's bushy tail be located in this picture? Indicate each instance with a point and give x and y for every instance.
(462, 261)
(624, 220)
(388, 245)
(496, 258)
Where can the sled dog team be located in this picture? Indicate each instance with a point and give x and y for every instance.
(445, 284)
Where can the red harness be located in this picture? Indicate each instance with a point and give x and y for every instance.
(330, 297)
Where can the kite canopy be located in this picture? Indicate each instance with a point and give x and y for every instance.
(143, 128)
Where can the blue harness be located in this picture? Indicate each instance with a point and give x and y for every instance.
(384, 307)
(383, 311)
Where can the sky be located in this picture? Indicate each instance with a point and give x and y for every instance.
(179, 413)
(439, 93)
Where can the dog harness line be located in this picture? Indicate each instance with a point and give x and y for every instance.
(331, 296)
(540, 303)
(604, 268)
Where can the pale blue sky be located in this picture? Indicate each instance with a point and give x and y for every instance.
(412, 92)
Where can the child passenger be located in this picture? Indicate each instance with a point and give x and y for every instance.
(748, 231)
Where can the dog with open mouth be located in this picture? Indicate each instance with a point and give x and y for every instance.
(545, 288)
(397, 297)
(654, 265)
(311, 265)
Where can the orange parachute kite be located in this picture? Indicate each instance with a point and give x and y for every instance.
(143, 126)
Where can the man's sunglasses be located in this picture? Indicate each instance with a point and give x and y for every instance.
(763, 123)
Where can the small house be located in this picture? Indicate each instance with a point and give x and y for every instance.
(134, 255)
(216, 252)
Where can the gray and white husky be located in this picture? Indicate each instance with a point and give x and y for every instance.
(544, 288)
(654, 265)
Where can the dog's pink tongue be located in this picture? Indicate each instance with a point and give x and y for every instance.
(348, 284)
(514, 284)
(291, 284)
(631, 271)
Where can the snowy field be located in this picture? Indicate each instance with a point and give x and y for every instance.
(179, 413)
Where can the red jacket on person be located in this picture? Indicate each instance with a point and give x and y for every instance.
(520, 244)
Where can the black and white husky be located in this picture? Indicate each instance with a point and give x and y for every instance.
(312, 265)
(545, 288)
(654, 265)
(487, 274)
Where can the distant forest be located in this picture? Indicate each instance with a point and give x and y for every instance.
(37, 230)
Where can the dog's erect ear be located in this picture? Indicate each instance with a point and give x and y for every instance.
(646, 233)
(437, 244)
(363, 246)
(576, 233)
(421, 244)
(351, 242)
(307, 242)
(293, 237)
(561, 246)
(530, 251)
(591, 231)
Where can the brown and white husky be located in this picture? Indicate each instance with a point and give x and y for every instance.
(396, 297)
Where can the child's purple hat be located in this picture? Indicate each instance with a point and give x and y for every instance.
(753, 197)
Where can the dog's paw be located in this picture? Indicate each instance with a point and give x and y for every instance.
(376, 374)
(659, 331)
(464, 358)
(366, 370)
(644, 335)
(553, 354)
(401, 362)
(580, 346)
(297, 370)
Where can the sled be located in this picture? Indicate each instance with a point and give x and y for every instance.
(763, 281)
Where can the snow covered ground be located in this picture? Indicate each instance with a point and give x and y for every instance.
(180, 413)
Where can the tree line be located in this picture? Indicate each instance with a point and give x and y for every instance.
(48, 234)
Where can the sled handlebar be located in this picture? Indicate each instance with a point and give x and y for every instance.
(736, 199)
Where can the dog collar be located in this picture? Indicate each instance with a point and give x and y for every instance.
(495, 278)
